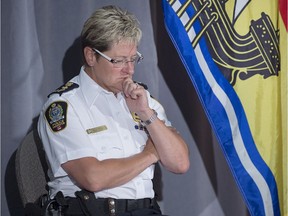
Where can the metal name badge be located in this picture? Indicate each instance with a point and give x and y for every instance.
(96, 129)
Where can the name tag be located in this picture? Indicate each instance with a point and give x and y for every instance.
(96, 129)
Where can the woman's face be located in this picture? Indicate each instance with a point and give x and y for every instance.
(110, 76)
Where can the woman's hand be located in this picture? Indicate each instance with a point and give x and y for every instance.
(136, 97)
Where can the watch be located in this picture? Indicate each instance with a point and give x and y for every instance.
(152, 118)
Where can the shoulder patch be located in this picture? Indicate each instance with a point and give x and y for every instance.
(65, 88)
(56, 115)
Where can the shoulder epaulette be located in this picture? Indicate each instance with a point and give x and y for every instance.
(65, 88)
(142, 84)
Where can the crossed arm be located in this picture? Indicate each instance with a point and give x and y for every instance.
(164, 144)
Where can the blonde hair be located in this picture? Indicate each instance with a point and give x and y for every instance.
(109, 25)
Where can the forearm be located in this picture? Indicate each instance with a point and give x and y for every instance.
(94, 175)
(115, 172)
(172, 149)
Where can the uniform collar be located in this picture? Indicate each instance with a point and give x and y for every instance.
(91, 90)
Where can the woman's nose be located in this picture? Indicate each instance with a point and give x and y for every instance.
(129, 67)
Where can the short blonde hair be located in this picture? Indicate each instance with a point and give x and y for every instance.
(109, 25)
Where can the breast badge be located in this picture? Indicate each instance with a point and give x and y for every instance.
(137, 120)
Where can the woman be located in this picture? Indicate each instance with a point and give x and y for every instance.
(103, 132)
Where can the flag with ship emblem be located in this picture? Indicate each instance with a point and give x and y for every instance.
(231, 51)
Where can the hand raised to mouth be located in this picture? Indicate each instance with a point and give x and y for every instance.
(136, 98)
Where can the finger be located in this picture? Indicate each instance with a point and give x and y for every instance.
(135, 93)
(125, 84)
(130, 88)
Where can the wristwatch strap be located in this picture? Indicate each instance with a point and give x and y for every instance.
(152, 118)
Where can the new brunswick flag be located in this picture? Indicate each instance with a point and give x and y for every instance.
(235, 53)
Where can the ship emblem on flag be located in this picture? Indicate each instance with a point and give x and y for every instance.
(236, 56)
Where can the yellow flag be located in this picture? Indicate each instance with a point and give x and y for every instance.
(235, 53)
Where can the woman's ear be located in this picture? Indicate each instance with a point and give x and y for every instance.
(89, 55)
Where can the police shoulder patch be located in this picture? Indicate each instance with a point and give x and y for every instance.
(56, 115)
(65, 88)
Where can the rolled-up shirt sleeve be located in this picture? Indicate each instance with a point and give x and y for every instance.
(68, 142)
(155, 105)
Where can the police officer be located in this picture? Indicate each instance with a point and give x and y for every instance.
(102, 132)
